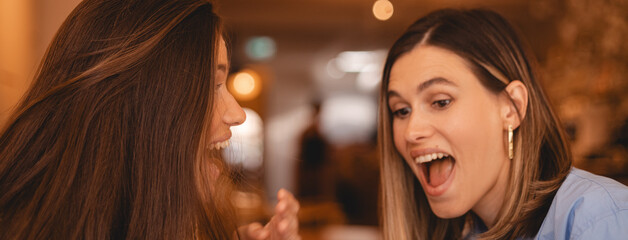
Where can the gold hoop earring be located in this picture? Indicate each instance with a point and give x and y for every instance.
(510, 144)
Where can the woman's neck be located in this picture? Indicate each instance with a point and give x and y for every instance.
(489, 205)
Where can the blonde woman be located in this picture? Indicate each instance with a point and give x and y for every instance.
(470, 147)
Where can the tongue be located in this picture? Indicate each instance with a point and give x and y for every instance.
(440, 171)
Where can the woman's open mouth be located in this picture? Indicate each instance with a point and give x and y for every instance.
(218, 145)
(436, 168)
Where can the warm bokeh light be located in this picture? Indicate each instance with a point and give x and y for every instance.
(383, 10)
(245, 85)
(16, 52)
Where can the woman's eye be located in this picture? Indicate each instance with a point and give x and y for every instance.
(402, 112)
(441, 103)
(218, 85)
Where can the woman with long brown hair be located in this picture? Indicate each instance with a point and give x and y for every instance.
(470, 147)
(119, 135)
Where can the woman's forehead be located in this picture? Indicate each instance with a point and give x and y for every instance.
(428, 62)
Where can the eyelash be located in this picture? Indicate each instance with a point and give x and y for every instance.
(438, 104)
(398, 113)
(441, 104)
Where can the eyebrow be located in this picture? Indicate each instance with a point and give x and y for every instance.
(425, 85)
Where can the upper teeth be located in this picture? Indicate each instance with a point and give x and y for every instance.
(429, 157)
(218, 145)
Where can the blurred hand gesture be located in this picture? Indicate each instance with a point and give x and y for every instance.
(284, 225)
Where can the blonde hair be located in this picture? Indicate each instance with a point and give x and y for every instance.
(542, 159)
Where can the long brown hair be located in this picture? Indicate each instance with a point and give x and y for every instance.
(496, 55)
(105, 144)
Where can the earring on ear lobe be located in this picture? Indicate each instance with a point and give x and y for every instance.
(510, 145)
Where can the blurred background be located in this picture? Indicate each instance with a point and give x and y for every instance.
(307, 74)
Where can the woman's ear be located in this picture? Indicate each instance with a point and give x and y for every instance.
(514, 104)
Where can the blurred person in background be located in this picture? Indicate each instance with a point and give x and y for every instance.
(470, 147)
(315, 174)
(119, 136)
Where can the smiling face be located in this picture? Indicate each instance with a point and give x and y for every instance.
(449, 130)
(226, 112)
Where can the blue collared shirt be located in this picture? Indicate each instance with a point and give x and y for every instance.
(587, 206)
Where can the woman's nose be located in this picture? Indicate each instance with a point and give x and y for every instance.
(419, 127)
(234, 114)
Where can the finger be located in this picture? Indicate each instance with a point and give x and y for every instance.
(288, 229)
(256, 231)
(282, 193)
(288, 226)
(289, 214)
(287, 203)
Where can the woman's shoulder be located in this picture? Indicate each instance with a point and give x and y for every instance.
(581, 185)
(587, 205)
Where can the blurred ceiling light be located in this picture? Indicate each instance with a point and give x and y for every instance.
(333, 70)
(245, 85)
(260, 48)
(347, 119)
(383, 10)
(354, 61)
(369, 77)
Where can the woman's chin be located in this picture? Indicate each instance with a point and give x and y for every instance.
(447, 211)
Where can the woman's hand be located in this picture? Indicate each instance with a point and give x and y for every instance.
(284, 225)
